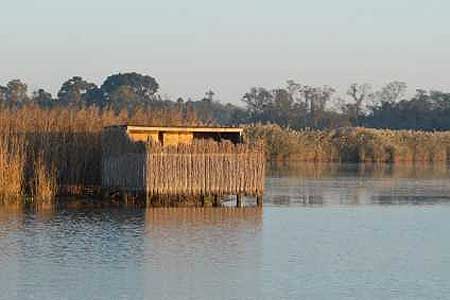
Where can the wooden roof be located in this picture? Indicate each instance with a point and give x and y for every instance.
(204, 129)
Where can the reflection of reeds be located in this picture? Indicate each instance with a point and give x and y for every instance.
(353, 145)
(369, 170)
(203, 217)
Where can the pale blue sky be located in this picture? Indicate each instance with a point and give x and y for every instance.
(229, 46)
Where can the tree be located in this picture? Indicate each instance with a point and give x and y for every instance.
(94, 96)
(282, 108)
(3, 91)
(316, 99)
(209, 95)
(142, 87)
(359, 94)
(123, 97)
(16, 93)
(257, 100)
(42, 98)
(73, 92)
(392, 92)
(300, 107)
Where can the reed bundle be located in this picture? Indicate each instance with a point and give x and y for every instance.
(206, 168)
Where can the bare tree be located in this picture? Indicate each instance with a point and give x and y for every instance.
(359, 94)
(391, 92)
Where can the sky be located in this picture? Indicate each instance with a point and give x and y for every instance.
(227, 46)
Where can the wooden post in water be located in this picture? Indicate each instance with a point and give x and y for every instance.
(216, 201)
(125, 198)
(238, 200)
(259, 201)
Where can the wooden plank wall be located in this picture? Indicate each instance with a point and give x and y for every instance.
(175, 138)
(144, 136)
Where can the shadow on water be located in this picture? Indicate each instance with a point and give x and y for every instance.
(309, 184)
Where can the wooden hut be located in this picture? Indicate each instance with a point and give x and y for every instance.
(177, 162)
(179, 135)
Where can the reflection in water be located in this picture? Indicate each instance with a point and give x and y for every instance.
(329, 252)
(223, 243)
(354, 184)
(49, 254)
(233, 218)
(324, 170)
(114, 252)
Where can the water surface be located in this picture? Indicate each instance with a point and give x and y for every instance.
(326, 232)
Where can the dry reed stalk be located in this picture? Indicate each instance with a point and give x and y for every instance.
(43, 185)
(68, 139)
(353, 145)
(12, 161)
(205, 168)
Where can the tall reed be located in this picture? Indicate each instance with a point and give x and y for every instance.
(43, 182)
(206, 168)
(352, 145)
(12, 162)
(47, 151)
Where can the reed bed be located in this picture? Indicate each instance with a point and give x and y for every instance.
(353, 145)
(44, 152)
(49, 152)
(43, 182)
(12, 162)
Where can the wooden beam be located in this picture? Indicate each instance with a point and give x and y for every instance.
(238, 200)
(259, 201)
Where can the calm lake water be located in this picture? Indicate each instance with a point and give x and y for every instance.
(326, 232)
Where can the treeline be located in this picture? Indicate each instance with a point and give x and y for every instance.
(301, 106)
(294, 105)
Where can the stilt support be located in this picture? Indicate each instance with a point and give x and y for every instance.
(259, 201)
(238, 200)
(125, 198)
(216, 201)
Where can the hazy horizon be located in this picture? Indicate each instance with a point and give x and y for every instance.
(228, 47)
